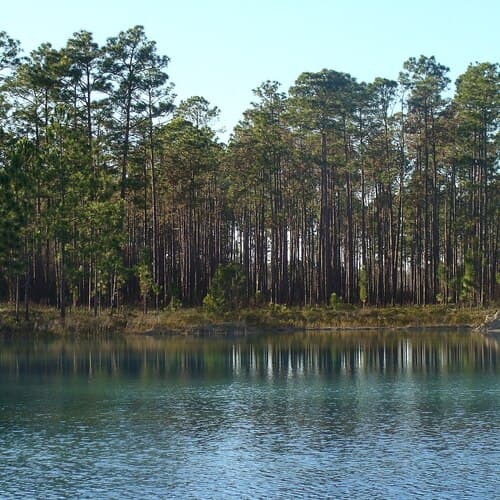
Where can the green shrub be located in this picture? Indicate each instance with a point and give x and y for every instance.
(363, 286)
(227, 289)
(335, 300)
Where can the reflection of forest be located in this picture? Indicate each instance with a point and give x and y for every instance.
(263, 355)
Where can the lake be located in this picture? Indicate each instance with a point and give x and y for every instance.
(375, 414)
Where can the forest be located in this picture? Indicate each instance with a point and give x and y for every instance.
(378, 193)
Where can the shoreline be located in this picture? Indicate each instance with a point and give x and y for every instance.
(272, 318)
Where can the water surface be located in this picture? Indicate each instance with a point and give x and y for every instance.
(374, 414)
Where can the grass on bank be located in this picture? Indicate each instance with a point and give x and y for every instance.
(272, 316)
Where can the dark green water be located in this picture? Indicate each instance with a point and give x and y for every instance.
(349, 415)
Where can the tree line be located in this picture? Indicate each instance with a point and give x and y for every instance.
(376, 193)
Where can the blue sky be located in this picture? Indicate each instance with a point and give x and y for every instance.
(222, 49)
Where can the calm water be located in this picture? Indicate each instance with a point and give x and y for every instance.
(372, 415)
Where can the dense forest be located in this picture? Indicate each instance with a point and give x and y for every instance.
(376, 193)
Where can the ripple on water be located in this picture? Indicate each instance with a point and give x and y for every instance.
(364, 434)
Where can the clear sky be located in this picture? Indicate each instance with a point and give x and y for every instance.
(222, 49)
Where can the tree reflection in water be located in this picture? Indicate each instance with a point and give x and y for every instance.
(265, 355)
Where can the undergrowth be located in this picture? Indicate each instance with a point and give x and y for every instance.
(271, 316)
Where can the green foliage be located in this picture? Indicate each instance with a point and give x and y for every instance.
(190, 157)
(214, 304)
(363, 285)
(319, 99)
(143, 273)
(197, 111)
(478, 97)
(146, 283)
(9, 50)
(16, 204)
(227, 289)
(469, 280)
(335, 301)
(426, 79)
